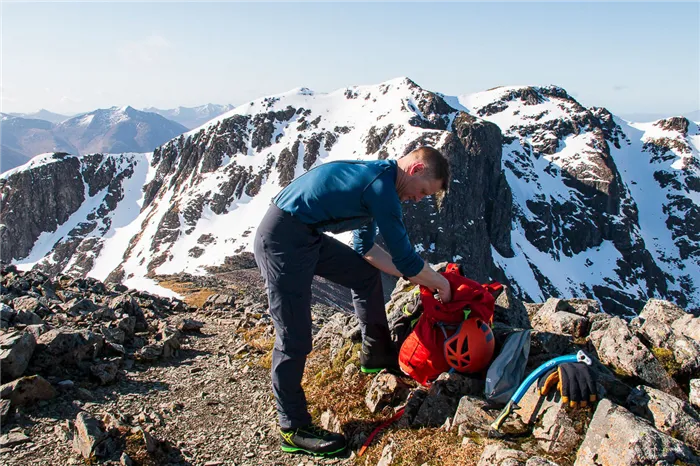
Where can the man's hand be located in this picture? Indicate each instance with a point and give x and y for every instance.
(444, 291)
(434, 281)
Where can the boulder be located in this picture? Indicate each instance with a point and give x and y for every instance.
(556, 432)
(105, 372)
(27, 390)
(661, 334)
(558, 316)
(30, 304)
(66, 346)
(619, 348)
(16, 350)
(26, 318)
(13, 438)
(190, 325)
(616, 437)
(385, 390)
(498, 454)
(472, 414)
(669, 414)
(89, 436)
(219, 301)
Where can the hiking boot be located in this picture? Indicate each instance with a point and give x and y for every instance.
(371, 364)
(312, 440)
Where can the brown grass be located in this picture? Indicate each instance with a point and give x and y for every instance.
(430, 446)
(327, 389)
(192, 294)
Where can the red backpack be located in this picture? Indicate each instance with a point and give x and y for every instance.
(422, 353)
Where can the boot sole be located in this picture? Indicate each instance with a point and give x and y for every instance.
(366, 370)
(291, 449)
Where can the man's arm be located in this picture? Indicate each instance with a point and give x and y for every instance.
(427, 277)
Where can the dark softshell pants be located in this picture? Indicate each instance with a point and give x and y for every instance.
(289, 254)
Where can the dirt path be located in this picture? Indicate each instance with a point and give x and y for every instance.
(211, 403)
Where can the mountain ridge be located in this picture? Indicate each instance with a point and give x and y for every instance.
(536, 190)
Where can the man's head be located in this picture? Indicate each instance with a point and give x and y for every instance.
(422, 172)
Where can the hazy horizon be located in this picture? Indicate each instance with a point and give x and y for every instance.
(72, 58)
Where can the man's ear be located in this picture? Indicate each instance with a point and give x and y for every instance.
(416, 168)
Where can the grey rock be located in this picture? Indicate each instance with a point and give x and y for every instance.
(617, 437)
(125, 460)
(385, 390)
(170, 340)
(330, 421)
(105, 372)
(113, 334)
(149, 352)
(5, 409)
(219, 301)
(556, 433)
(457, 385)
(510, 310)
(498, 454)
(66, 346)
(412, 406)
(7, 315)
(29, 303)
(532, 406)
(472, 414)
(89, 436)
(190, 325)
(694, 395)
(27, 390)
(387, 457)
(16, 350)
(618, 347)
(78, 306)
(436, 408)
(27, 318)
(13, 438)
(661, 334)
(538, 461)
(669, 414)
(37, 330)
(128, 306)
(558, 316)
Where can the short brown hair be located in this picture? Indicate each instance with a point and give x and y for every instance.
(437, 166)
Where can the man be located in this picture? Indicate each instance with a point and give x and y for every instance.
(291, 247)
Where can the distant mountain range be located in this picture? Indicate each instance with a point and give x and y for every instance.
(192, 117)
(42, 114)
(548, 196)
(113, 130)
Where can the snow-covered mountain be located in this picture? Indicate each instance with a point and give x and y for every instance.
(192, 117)
(113, 130)
(552, 197)
(118, 129)
(42, 114)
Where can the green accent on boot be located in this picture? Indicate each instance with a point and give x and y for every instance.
(291, 449)
(366, 370)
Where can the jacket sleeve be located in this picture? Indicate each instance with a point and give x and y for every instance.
(384, 205)
(363, 238)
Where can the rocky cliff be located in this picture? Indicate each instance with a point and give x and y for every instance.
(549, 196)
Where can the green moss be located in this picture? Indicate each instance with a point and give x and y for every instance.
(667, 360)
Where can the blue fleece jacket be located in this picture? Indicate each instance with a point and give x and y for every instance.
(354, 195)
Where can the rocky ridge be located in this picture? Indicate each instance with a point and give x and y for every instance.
(99, 373)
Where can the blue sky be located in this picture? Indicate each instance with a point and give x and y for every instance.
(631, 58)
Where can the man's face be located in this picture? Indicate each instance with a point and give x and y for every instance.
(419, 186)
